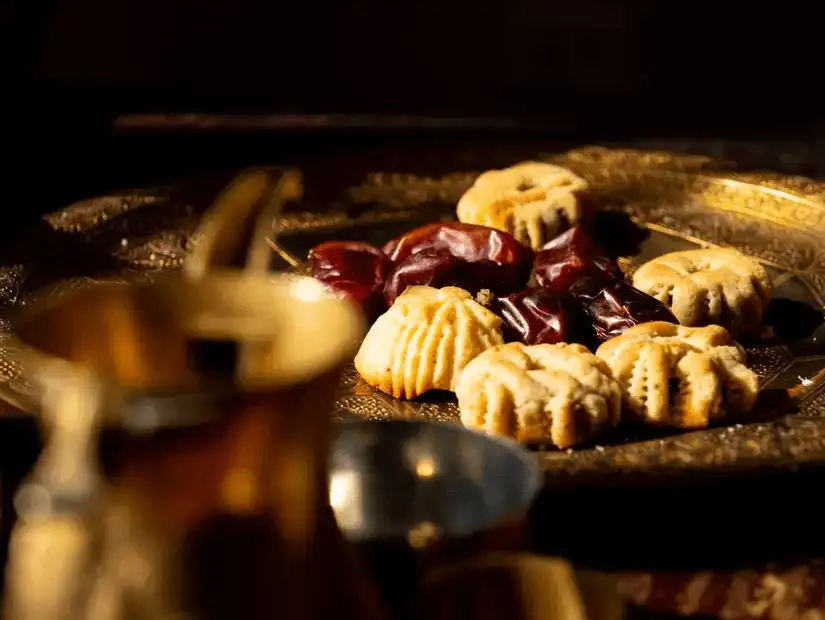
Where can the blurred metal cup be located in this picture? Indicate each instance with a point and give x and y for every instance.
(439, 513)
(212, 390)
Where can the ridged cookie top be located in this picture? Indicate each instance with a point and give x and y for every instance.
(424, 340)
(533, 201)
(715, 286)
(559, 394)
(683, 377)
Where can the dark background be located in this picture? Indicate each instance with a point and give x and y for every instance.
(572, 64)
(579, 70)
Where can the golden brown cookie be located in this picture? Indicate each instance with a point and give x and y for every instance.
(533, 201)
(424, 340)
(709, 287)
(559, 394)
(683, 377)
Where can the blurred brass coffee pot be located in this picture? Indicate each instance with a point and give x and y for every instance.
(185, 474)
(187, 434)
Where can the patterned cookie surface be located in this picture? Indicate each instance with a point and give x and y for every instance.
(559, 394)
(682, 377)
(710, 286)
(532, 201)
(424, 340)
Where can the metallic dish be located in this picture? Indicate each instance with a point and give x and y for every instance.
(683, 200)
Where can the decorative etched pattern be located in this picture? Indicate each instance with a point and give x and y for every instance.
(685, 199)
(694, 199)
(814, 405)
(768, 362)
(792, 592)
(128, 236)
(689, 198)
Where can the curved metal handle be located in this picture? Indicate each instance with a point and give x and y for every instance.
(234, 233)
(53, 542)
(65, 478)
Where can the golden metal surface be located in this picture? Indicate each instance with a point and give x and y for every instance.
(235, 232)
(150, 539)
(684, 200)
(230, 517)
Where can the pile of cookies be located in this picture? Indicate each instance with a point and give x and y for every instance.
(525, 316)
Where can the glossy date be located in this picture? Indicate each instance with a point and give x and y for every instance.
(616, 307)
(354, 270)
(440, 268)
(581, 294)
(570, 257)
(467, 241)
(538, 316)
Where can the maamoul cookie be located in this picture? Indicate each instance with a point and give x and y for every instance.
(545, 393)
(533, 201)
(424, 340)
(682, 377)
(703, 287)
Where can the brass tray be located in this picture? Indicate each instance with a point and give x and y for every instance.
(685, 201)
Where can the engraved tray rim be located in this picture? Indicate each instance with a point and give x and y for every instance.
(789, 203)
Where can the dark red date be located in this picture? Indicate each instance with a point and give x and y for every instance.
(440, 268)
(354, 270)
(468, 241)
(538, 316)
(617, 306)
(571, 256)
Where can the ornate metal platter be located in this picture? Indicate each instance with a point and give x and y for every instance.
(685, 201)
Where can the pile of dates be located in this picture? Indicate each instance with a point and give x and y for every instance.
(571, 291)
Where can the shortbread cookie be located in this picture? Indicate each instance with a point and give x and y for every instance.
(682, 377)
(709, 287)
(559, 394)
(532, 201)
(424, 340)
